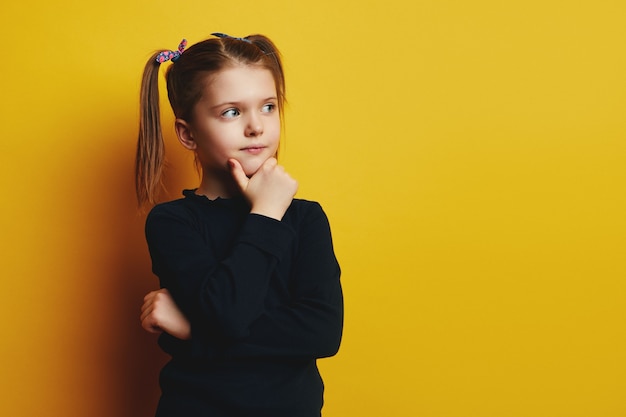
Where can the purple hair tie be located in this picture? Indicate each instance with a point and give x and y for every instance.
(172, 55)
(223, 35)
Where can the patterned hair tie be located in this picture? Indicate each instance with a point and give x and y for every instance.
(223, 35)
(172, 55)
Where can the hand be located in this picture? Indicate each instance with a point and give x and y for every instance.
(159, 313)
(270, 190)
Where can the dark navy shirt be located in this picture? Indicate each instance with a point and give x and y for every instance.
(264, 301)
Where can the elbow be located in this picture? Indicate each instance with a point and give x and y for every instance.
(331, 341)
(329, 349)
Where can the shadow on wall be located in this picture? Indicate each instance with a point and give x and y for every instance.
(104, 364)
(135, 359)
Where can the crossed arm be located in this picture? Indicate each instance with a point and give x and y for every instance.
(270, 192)
(225, 301)
(310, 324)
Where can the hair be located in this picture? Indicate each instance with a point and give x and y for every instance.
(185, 81)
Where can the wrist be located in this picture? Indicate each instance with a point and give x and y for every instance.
(271, 206)
(271, 212)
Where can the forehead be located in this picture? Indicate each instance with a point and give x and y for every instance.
(238, 83)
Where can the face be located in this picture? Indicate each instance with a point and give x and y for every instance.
(237, 117)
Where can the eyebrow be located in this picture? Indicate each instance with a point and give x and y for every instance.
(236, 103)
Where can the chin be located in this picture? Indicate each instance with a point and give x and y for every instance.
(250, 168)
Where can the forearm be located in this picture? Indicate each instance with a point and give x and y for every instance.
(308, 328)
(221, 296)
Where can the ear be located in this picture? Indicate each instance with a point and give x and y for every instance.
(185, 135)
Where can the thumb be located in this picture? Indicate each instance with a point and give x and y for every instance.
(238, 174)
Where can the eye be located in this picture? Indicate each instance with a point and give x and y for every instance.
(230, 113)
(268, 108)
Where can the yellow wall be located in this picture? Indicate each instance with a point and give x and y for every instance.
(470, 154)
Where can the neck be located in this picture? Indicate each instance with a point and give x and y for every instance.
(218, 184)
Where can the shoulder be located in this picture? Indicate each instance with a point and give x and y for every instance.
(171, 209)
(304, 214)
(314, 236)
(303, 209)
(175, 213)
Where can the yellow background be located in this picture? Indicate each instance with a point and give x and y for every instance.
(470, 156)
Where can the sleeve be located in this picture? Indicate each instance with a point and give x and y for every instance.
(311, 324)
(220, 298)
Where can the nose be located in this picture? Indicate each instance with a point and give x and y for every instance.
(254, 126)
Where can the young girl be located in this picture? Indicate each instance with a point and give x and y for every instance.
(250, 294)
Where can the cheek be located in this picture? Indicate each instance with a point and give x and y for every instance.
(217, 138)
(214, 150)
(274, 131)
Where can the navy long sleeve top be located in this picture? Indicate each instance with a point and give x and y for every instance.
(264, 301)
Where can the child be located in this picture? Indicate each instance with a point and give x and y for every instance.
(250, 293)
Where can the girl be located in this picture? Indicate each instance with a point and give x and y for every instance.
(250, 294)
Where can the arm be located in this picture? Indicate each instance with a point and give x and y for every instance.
(222, 293)
(231, 293)
(311, 324)
(221, 297)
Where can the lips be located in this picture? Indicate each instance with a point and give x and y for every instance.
(254, 149)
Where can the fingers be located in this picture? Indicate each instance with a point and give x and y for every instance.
(149, 323)
(159, 313)
(149, 296)
(148, 318)
(269, 190)
(238, 174)
(152, 294)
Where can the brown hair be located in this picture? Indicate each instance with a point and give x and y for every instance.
(185, 82)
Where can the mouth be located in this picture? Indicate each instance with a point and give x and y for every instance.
(254, 149)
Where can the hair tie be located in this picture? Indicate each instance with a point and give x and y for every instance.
(223, 35)
(172, 55)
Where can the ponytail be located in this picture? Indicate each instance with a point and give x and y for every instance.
(150, 147)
